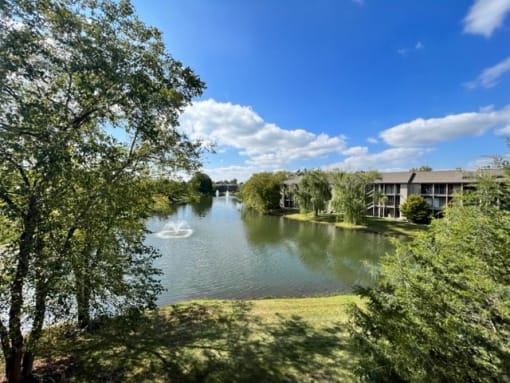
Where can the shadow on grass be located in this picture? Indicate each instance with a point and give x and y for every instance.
(204, 342)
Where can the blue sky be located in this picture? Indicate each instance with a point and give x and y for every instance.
(350, 84)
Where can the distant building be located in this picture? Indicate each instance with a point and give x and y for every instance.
(387, 194)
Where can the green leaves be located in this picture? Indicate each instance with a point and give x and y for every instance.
(72, 74)
(262, 191)
(441, 310)
(313, 191)
(416, 209)
(349, 196)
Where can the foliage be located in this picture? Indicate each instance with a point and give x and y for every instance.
(441, 309)
(71, 75)
(262, 191)
(201, 183)
(313, 191)
(349, 195)
(416, 209)
(424, 168)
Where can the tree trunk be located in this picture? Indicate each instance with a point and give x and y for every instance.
(13, 366)
(83, 290)
(26, 247)
(37, 326)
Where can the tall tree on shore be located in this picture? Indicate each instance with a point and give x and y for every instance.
(72, 74)
(349, 195)
(313, 191)
(262, 191)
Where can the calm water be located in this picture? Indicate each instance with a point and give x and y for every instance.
(225, 251)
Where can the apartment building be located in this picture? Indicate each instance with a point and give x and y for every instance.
(387, 194)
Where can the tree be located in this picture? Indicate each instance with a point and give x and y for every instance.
(262, 191)
(72, 74)
(440, 311)
(201, 183)
(349, 195)
(424, 168)
(313, 191)
(416, 209)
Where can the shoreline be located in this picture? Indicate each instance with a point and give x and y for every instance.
(374, 225)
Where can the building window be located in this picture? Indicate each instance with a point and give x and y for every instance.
(440, 189)
(391, 201)
(439, 202)
(389, 189)
(426, 189)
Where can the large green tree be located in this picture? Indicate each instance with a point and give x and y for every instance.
(73, 75)
(440, 311)
(349, 195)
(314, 191)
(262, 191)
(201, 183)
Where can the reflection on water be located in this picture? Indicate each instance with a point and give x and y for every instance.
(237, 253)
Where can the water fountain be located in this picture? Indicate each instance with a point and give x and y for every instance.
(175, 229)
(217, 193)
(227, 194)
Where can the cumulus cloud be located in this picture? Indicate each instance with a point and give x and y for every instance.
(263, 143)
(485, 16)
(421, 131)
(388, 160)
(241, 173)
(372, 140)
(490, 76)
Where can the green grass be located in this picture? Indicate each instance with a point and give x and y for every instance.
(384, 226)
(270, 340)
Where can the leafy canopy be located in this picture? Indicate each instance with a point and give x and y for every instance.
(262, 191)
(313, 191)
(349, 195)
(440, 311)
(74, 76)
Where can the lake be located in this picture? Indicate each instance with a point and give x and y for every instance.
(217, 249)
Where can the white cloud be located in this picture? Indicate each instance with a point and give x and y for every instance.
(490, 76)
(356, 151)
(241, 173)
(388, 160)
(485, 16)
(372, 140)
(417, 47)
(261, 142)
(504, 131)
(428, 131)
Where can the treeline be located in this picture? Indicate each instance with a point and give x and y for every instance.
(167, 194)
(314, 191)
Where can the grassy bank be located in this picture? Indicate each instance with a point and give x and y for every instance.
(384, 226)
(291, 340)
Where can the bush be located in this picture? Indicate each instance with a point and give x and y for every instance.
(416, 209)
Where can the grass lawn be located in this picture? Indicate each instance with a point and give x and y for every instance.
(270, 340)
(384, 226)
